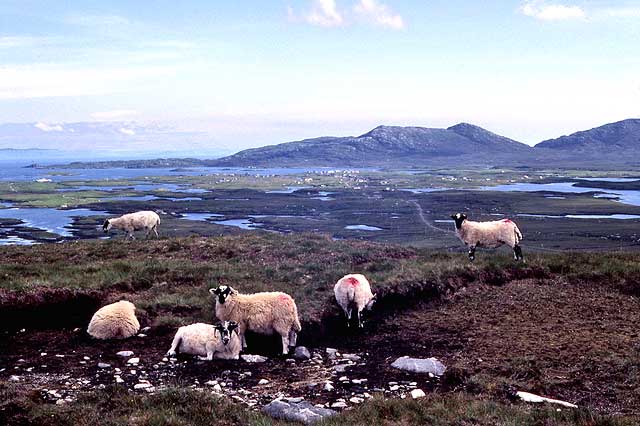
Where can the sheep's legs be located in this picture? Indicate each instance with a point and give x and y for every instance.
(174, 346)
(155, 230)
(285, 344)
(360, 321)
(472, 253)
(293, 338)
(243, 340)
(347, 313)
(517, 253)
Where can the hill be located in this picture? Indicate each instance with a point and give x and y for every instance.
(388, 146)
(620, 140)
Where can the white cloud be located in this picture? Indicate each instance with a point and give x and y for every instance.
(325, 13)
(49, 128)
(551, 11)
(127, 132)
(113, 115)
(379, 14)
(97, 20)
(9, 42)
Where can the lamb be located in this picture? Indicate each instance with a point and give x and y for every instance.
(202, 340)
(354, 292)
(488, 234)
(263, 313)
(115, 321)
(134, 222)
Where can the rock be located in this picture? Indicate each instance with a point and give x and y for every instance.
(145, 329)
(352, 357)
(529, 397)
(341, 368)
(217, 388)
(14, 379)
(103, 365)
(253, 358)
(331, 353)
(301, 353)
(211, 383)
(295, 400)
(394, 388)
(60, 402)
(343, 379)
(125, 354)
(339, 404)
(263, 382)
(420, 365)
(119, 379)
(142, 335)
(328, 387)
(142, 386)
(417, 393)
(356, 400)
(302, 412)
(133, 361)
(359, 381)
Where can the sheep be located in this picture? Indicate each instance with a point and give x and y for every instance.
(263, 313)
(488, 234)
(115, 321)
(134, 222)
(202, 340)
(354, 292)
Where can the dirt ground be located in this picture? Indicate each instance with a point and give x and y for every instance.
(572, 341)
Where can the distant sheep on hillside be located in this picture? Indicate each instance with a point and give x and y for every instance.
(134, 222)
(488, 234)
(115, 321)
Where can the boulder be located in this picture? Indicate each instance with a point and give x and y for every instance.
(302, 412)
(301, 353)
(420, 365)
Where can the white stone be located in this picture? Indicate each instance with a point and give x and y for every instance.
(356, 400)
(328, 387)
(125, 353)
(417, 393)
(103, 365)
(133, 361)
(339, 404)
(263, 382)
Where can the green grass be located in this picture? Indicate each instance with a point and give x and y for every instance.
(117, 406)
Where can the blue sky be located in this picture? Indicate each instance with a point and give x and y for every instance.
(259, 72)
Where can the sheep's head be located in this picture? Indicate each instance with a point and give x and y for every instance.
(225, 329)
(370, 303)
(106, 226)
(458, 219)
(222, 292)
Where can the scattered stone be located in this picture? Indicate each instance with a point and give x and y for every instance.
(43, 354)
(145, 329)
(60, 402)
(142, 386)
(394, 388)
(14, 379)
(341, 368)
(339, 404)
(103, 365)
(303, 412)
(253, 358)
(290, 360)
(329, 387)
(529, 397)
(217, 388)
(301, 353)
(86, 358)
(133, 361)
(125, 354)
(417, 393)
(211, 383)
(119, 379)
(359, 381)
(165, 359)
(420, 365)
(331, 353)
(356, 400)
(343, 379)
(59, 356)
(142, 335)
(352, 357)
(263, 382)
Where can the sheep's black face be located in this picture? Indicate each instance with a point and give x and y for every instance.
(221, 292)
(458, 218)
(225, 329)
(106, 225)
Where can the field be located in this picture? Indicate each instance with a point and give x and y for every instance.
(563, 325)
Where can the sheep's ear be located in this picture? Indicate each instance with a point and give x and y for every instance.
(213, 290)
(453, 216)
(232, 325)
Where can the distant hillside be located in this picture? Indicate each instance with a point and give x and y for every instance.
(620, 138)
(387, 146)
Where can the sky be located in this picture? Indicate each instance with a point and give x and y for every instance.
(258, 72)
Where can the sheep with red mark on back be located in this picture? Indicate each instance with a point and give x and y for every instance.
(353, 292)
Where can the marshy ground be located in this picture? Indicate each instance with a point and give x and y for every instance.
(562, 325)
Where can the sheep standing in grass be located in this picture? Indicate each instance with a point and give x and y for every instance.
(264, 313)
(203, 340)
(134, 222)
(115, 321)
(353, 292)
(488, 234)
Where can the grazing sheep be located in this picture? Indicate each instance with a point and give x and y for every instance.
(354, 292)
(202, 340)
(115, 321)
(134, 222)
(263, 313)
(488, 234)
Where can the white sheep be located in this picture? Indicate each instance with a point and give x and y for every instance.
(263, 313)
(115, 321)
(488, 234)
(134, 222)
(353, 292)
(203, 340)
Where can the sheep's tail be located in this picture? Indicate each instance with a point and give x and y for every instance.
(296, 322)
(517, 232)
